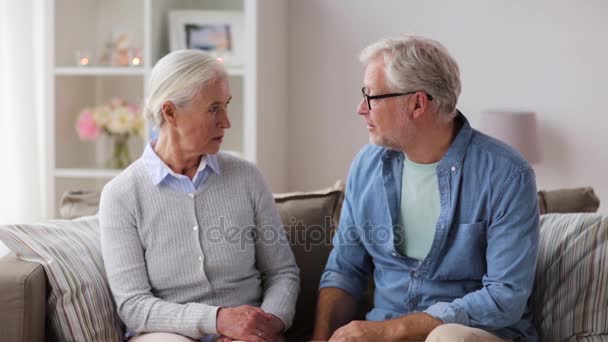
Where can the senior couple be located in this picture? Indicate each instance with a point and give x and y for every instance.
(457, 265)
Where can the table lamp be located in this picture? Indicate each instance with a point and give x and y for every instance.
(516, 128)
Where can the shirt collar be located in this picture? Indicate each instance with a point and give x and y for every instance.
(452, 160)
(158, 169)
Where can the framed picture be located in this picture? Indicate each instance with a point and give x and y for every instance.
(219, 33)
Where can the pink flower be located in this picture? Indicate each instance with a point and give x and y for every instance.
(134, 109)
(86, 127)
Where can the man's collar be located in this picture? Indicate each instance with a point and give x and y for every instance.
(452, 160)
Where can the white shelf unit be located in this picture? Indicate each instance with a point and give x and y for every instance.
(88, 24)
(120, 71)
(99, 71)
(87, 173)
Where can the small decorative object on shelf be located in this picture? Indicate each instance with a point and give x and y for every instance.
(116, 120)
(135, 57)
(83, 57)
(119, 52)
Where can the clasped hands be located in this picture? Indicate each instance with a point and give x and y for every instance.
(248, 323)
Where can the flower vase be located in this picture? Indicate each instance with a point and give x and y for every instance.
(121, 156)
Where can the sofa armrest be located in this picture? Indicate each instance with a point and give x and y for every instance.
(22, 300)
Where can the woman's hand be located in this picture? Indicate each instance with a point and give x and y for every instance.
(276, 324)
(248, 323)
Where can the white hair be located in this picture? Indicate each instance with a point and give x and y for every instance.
(178, 77)
(416, 63)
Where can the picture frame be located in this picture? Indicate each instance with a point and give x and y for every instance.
(219, 33)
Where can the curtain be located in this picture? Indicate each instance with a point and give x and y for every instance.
(22, 152)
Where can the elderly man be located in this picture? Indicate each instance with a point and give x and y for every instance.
(444, 216)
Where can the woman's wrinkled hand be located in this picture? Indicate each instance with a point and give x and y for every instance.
(248, 323)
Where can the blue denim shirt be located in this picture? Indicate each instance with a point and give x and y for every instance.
(480, 269)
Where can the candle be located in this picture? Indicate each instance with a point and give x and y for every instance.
(135, 58)
(83, 57)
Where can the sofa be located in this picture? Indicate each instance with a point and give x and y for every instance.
(570, 297)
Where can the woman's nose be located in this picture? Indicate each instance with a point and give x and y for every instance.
(224, 121)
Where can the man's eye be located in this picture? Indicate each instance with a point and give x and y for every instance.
(214, 109)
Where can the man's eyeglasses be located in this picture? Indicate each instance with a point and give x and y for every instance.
(368, 98)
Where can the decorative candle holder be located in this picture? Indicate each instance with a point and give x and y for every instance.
(135, 57)
(83, 57)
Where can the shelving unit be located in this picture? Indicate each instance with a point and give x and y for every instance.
(99, 71)
(74, 25)
(86, 173)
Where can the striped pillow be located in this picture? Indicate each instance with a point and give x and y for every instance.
(80, 306)
(570, 299)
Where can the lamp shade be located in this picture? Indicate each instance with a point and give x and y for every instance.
(516, 128)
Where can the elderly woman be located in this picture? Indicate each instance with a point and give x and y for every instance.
(191, 239)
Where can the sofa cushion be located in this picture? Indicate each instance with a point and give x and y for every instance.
(578, 200)
(309, 219)
(570, 299)
(79, 304)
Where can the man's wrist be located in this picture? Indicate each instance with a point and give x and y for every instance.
(416, 325)
(395, 329)
(322, 332)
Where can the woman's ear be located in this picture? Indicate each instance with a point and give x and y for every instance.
(169, 112)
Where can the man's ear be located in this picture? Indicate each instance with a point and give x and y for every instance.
(421, 103)
(169, 112)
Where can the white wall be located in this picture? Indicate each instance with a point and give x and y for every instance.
(546, 56)
(271, 83)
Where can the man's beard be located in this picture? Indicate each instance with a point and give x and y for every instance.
(395, 143)
(381, 141)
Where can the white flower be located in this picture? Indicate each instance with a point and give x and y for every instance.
(121, 121)
(101, 115)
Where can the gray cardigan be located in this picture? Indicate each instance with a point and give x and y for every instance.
(173, 259)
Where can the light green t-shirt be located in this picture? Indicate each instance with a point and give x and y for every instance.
(419, 210)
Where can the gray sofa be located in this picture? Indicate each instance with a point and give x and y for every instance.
(24, 286)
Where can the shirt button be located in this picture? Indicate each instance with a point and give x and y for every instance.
(195, 228)
(191, 195)
(453, 168)
(200, 258)
(394, 254)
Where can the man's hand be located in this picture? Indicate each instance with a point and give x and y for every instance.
(361, 331)
(412, 327)
(248, 323)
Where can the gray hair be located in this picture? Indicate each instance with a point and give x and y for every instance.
(418, 63)
(177, 77)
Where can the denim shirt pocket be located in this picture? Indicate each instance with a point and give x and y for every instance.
(465, 253)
